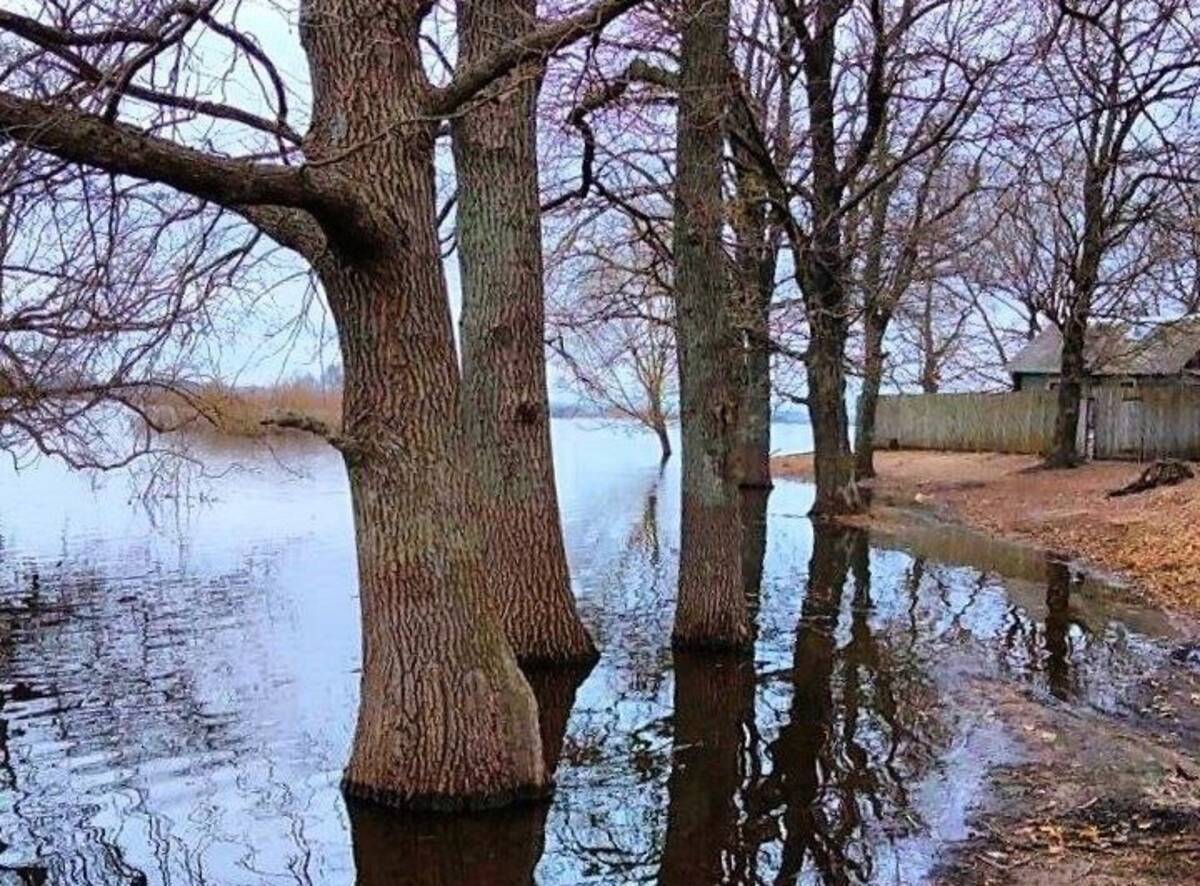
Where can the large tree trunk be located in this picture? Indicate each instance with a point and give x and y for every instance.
(868, 396)
(711, 610)
(446, 719)
(505, 402)
(450, 850)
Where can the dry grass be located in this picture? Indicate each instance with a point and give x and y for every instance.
(240, 412)
(1152, 538)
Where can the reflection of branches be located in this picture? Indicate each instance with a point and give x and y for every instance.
(846, 753)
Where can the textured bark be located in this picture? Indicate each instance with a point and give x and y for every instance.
(711, 610)
(446, 718)
(484, 848)
(833, 462)
(506, 407)
(755, 263)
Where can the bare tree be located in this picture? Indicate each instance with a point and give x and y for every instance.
(1112, 147)
(612, 321)
(847, 57)
(446, 717)
(711, 610)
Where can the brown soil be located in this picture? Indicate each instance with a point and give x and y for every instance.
(1152, 538)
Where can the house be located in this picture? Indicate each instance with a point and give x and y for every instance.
(1125, 355)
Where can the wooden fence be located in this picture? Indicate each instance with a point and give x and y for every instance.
(1146, 423)
(1120, 423)
(1018, 421)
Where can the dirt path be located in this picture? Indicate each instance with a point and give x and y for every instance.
(1151, 539)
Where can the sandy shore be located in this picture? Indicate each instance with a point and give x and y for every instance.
(1151, 539)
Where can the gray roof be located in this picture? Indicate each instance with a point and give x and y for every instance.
(1162, 348)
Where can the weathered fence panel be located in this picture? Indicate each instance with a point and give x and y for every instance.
(1147, 422)
(1016, 421)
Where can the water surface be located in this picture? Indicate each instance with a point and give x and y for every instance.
(178, 686)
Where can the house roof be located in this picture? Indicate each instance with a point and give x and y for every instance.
(1162, 348)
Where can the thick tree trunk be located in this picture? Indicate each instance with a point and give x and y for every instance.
(505, 401)
(446, 720)
(450, 850)
(868, 395)
(711, 610)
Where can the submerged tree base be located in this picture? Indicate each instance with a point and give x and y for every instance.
(533, 793)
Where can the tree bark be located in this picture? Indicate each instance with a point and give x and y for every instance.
(833, 462)
(446, 719)
(755, 262)
(1073, 369)
(822, 272)
(868, 396)
(506, 407)
(450, 850)
(711, 611)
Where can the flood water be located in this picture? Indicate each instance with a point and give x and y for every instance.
(178, 687)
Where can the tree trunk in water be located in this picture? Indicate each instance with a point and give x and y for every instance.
(450, 850)
(711, 611)
(664, 438)
(868, 396)
(505, 400)
(446, 720)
